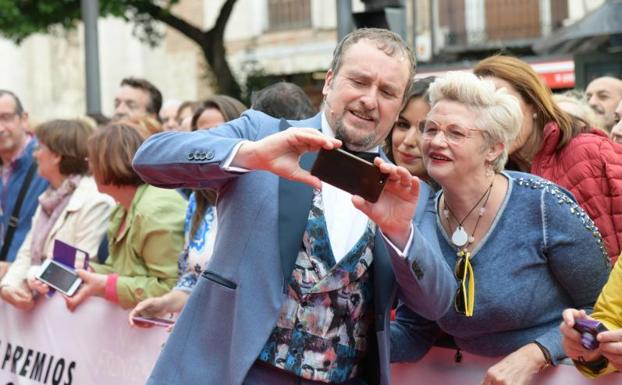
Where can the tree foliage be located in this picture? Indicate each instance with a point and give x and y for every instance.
(22, 18)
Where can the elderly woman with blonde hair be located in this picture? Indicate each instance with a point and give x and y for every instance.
(521, 247)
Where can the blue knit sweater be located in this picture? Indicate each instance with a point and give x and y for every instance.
(541, 255)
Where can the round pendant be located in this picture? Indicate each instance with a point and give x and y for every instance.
(459, 237)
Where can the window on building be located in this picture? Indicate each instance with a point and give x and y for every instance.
(504, 20)
(289, 14)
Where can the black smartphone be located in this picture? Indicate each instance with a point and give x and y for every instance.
(349, 173)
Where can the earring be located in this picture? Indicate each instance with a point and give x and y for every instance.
(489, 171)
(534, 116)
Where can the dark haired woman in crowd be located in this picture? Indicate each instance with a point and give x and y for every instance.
(402, 145)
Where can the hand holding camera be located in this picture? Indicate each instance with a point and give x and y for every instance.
(580, 336)
(589, 330)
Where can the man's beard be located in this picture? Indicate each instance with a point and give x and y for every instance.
(360, 144)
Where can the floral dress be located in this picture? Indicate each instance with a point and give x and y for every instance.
(198, 250)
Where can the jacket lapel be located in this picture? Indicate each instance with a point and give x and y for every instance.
(384, 281)
(295, 200)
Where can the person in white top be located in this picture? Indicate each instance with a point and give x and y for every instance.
(70, 210)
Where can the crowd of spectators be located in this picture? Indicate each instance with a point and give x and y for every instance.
(526, 189)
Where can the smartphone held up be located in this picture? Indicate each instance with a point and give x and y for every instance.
(349, 173)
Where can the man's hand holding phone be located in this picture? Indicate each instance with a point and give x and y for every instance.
(396, 206)
(280, 153)
(386, 193)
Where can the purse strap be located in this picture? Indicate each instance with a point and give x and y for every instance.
(14, 218)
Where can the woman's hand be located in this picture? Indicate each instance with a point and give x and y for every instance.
(92, 284)
(18, 297)
(38, 286)
(172, 302)
(571, 339)
(517, 368)
(611, 347)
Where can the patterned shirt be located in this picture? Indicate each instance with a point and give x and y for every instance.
(321, 333)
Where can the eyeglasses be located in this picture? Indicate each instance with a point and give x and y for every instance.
(452, 133)
(7, 117)
(464, 300)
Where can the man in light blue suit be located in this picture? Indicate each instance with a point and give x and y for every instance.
(303, 275)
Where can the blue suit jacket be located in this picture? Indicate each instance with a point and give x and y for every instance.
(261, 220)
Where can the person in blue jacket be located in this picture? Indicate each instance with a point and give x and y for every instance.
(16, 164)
(303, 275)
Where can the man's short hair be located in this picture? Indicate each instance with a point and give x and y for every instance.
(19, 108)
(283, 100)
(155, 96)
(387, 41)
(67, 138)
(111, 150)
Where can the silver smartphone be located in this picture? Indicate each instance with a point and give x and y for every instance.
(59, 277)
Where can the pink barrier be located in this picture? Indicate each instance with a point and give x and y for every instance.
(95, 345)
(438, 368)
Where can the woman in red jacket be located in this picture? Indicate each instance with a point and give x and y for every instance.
(556, 146)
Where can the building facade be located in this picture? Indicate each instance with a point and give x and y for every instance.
(267, 40)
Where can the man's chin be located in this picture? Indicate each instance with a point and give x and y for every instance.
(355, 142)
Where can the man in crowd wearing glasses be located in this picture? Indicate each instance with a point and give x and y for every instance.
(20, 185)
